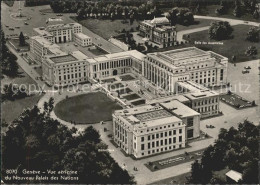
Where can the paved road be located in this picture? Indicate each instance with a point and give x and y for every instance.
(232, 22)
(38, 20)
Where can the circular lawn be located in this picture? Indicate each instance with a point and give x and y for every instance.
(87, 108)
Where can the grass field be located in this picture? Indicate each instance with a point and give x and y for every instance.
(236, 46)
(106, 28)
(197, 24)
(98, 52)
(12, 109)
(131, 97)
(87, 108)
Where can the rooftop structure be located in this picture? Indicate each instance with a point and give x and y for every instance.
(234, 175)
(179, 109)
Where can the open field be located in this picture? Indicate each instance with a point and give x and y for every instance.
(230, 47)
(198, 23)
(87, 108)
(12, 109)
(106, 28)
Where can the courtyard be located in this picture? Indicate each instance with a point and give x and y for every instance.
(86, 109)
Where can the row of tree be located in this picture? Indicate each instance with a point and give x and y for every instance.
(8, 65)
(34, 141)
(239, 8)
(235, 149)
(181, 16)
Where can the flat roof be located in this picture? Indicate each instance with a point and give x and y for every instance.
(192, 86)
(162, 121)
(153, 115)
(42, 31)
(63, 58)
(185, 53)
(132, 53)
(234, 175)
(179, 109)
(82, 35)
(178, 97)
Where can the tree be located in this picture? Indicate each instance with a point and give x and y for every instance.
(256, 14)
(236, 149)
(220, 30)
(253, 34)
(251, 51)
(53, 146)
(21, 39)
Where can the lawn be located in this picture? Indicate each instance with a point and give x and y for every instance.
(131, 97)
(124, 91)
(127, 77)
(98, 51)
(107, 28)
(138, 102)
(172, 161)
(109, 80)
(197, 24)
(87, 108)
(12, 109)
(236, 46)
(16, 44)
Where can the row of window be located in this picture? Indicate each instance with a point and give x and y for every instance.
(160, 135)
(160, 143)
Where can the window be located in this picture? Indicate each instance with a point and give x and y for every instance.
(174, 139)
(189, 122)
(180, 138)
(142, 139)
(190, 133)
(148, 138)
(174, 132)
(142, 147)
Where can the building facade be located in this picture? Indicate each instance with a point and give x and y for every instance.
(159, 31)
(147, 130)
(164, 69)
(202, 99)
(39, 46)
(82, 39)
(76, 67)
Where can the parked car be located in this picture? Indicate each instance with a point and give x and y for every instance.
(11, 29)
(17, 27)
(76, 45)
(59, 14)
(7, 26)
(245, 71)
(26, 23)
(247, 67)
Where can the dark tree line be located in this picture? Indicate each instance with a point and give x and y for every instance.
(34, 141)
(235, 149)
(36, 2)
(181, 16)
(12, 92)
(8, 65)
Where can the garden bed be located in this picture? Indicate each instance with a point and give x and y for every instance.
(236, 101)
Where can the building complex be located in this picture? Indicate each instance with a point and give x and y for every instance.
(163, 124)
(45, 39)
(159, 31)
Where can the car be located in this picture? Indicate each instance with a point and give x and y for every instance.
(247, 67)
(11, 29)
(245, 71)
(26, 23)
(59, 14)
(7, 26)
(17, 27)
(43, 13)
(76, 45)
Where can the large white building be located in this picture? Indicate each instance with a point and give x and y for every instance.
(148, 130)
(39, 46)
(82, 39)
(73, 68)
(164, 69)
